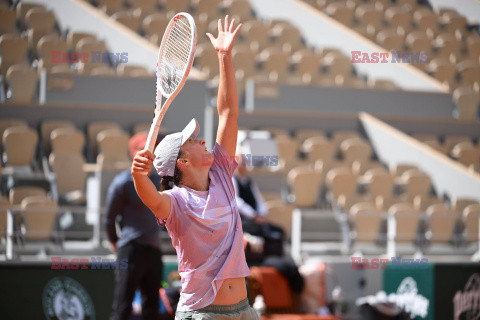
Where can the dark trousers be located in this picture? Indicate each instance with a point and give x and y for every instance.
(272, 234)
(145, 269)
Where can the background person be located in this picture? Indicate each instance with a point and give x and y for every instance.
(139, 242)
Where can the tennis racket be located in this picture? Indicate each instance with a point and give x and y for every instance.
(175, 59)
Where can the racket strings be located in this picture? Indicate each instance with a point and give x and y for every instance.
(176, 56)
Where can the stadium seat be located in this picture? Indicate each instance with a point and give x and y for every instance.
(244, 60)
(280, 214)
(366, 220)
(467, 154)
(206, 59)
(256, 34)
(340, 135)
(94, 128)
(19, 145)
(398, 16)
(400, 168)
(23, 8)
(238, 8)
(143, 8)
(113, 149)
(341, 12)
(70, 177)
(101, 70)
(274, 60)
(470, 219)
(417, 184)
(318, 148)
(8, 18)
(407, 220)
(341, 181)
(459, 204)
(17, 194)
(383, 84)
(48, 126)
(286, 37)
(441, 222)
(287, 148)
(128, 19)
(67, 140)
(367, 14)
(154, 26)
(111, 6)
(46, 47)
(88, 44)
(449, 141)
(176, 5)
(14, 51)
(39, 19)
(210, 7)
(305, 184)
(390, 40)
(356, 149)
(442, 69)
(40, 214)
(426, 19)
(469, 70)
(74, 37)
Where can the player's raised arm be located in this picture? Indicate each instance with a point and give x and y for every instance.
(227, 102)
(156, 201)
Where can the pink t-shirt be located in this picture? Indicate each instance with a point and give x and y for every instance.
(207, 234)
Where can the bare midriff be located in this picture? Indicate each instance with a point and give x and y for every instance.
(232, 291)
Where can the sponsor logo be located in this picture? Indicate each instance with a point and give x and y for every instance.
(82, 264)
(407, 297)
(65, 298)
(392, 57)
(395, 263)
(468, 300)
(92, 57)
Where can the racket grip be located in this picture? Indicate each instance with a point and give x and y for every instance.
(152, 137)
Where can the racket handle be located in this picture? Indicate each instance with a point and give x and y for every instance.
(152, 137)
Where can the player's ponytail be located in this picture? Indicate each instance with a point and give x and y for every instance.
(167, 182)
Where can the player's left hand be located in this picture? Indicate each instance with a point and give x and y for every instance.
(226, 34)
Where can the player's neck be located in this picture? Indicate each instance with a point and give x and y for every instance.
(197, 180)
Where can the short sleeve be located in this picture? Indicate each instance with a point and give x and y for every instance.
(223, 160)
(173, 206)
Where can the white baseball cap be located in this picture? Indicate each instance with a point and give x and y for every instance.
(166, 152)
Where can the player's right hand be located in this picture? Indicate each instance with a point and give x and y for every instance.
(142, 163)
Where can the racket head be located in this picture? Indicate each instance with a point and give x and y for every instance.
(175, 56)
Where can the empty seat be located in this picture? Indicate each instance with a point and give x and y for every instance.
(177, 5)
(287, 148)
(154, 26)
(459, 204)
(70, 177)
(449, 141)
(368, 14)
(305, 185)
(94, 128)
(469, 70)
(91, 61)
(67, 140)
(319, 148)
(40, 214)
(40, 19)
(210, 7)
(418, 184)
(280, 214)
(380, 186)
(470, 219)
(113, 148)
(17, 194)
(239, 8)
(467, 154)
(14, 51)
(74, 37)
(337, 65)
(407, 219)
(128, 19)
(287, 37)
(207, 60)
(341, 12)
(23, 8)
(143, 8)
(341, 181)
(274, 61)
(441, 222)
(7, 21)
(244, 59)
(50, 50)
(257, 34)
(397, 16)
(47, 127)
(400, 168)
(19, 144)
(356, 149)
(442, 69)
(111, 6)
(305, 61)
(366, 220)
(340, 135)
(390, 40)
(383, 84)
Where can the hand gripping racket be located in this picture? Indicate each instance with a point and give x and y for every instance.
(175, 59)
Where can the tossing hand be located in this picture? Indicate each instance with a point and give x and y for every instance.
(226, 34)
(142, 163)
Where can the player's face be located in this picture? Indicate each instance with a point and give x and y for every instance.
(195, 151)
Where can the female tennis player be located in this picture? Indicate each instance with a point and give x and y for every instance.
(200, 211)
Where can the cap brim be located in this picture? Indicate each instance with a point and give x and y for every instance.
(190, 131)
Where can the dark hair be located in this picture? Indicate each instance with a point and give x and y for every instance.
(166, 182)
